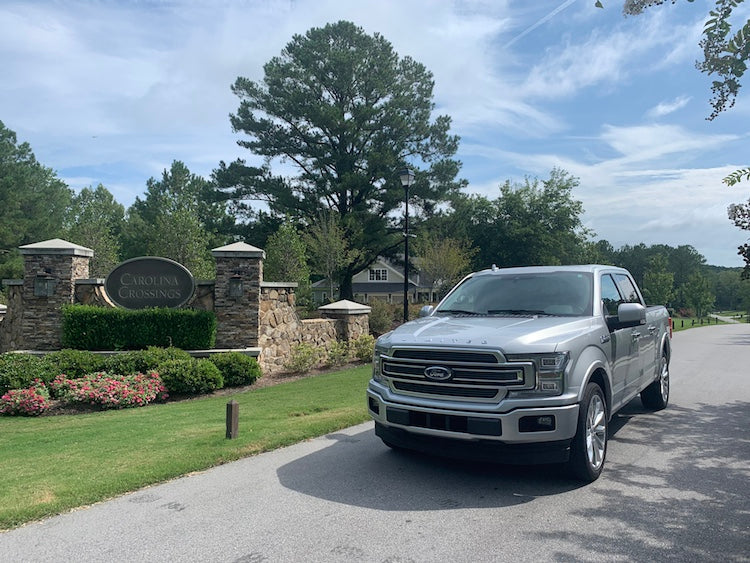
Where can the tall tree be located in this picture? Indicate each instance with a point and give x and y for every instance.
(177, 219)
(530, 223)
(443, 261)
(96, 220)
(286, 260)
(33, 201)
(328, 248)
(697, 294)
(345, 112)
(658, 282)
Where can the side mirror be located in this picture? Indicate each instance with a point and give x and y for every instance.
(426, 311)
(628, 315)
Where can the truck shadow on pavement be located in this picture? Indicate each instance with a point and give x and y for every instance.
(359, 470)
(676, 487)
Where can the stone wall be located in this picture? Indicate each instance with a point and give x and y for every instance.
(280, 328)
(250, 313)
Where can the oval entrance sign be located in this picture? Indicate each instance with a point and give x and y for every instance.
(149, 281)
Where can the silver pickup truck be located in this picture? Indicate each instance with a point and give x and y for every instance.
(522, 365)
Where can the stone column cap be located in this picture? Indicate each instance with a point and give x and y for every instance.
(238, 250)
(56, 246)
(345, 307)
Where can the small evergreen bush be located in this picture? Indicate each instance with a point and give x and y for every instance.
(338, 354)
(304, 357)
(363, 347)
(74, 363)
(236, 368)
(18, 371)
(143, 361)
(190, 377)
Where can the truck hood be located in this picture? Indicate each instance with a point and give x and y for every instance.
(507, 334)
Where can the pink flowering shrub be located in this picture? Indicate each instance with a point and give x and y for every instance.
(110, 391)
(26, 402)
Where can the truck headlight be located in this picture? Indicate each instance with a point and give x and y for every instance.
(377, 373)
(550, 371)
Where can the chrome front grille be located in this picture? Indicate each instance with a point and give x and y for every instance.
(474, 375)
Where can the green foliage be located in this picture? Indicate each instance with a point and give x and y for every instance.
(737, 176)
(18, 371)
(178, 219)
(98, 328)
(143, 361)
(338, 354)
(697, 294)
(658, 283)
(286, 261)
(363, 347)
(190, 377)
(33, 201)
(383, 316)
(532, 223)
(74, 363)
(328, 248)
(303, 357)
(95, 220)
(236, 368)
(443, 261)
(345, 111)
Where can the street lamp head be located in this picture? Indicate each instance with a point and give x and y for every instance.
(407, 177)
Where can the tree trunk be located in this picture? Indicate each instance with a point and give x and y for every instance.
(345, 286)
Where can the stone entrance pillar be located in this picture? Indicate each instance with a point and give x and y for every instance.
(239, 272)
(34, 317)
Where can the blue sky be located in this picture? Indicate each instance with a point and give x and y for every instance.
(112, 92)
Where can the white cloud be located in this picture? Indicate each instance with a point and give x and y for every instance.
(665, 108)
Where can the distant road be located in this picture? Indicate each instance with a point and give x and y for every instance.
(676, 488)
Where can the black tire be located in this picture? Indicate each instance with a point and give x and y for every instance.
(589, 447)
(656, 396)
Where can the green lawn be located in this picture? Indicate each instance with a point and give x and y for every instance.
(684, 323)
(55, 463)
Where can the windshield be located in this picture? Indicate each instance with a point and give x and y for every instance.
(548, 293)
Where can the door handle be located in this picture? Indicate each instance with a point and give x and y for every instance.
(652, 330)
(636, 336)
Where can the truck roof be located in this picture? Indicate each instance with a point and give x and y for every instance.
(584, 268)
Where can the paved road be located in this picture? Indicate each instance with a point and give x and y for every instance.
(676, 488)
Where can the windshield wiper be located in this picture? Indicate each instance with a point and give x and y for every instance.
(520, 312)
(458, 312)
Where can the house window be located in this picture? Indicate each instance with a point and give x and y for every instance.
(379, 275)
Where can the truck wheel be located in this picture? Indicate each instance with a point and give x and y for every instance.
(656, 395)
(589, 447)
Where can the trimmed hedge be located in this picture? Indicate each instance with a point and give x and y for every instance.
(191, 377)
(236, 368)
(85, 327)
(18, 371)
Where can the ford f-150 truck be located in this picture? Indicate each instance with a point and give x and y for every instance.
(522, 365)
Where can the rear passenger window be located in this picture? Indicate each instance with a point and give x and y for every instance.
(611, 297)
(627, 288)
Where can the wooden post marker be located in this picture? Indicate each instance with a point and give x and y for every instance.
(233, 418)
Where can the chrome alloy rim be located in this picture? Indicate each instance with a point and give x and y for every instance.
(596, 432)
(664, 379)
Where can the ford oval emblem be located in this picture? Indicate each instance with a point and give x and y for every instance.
(438, 373)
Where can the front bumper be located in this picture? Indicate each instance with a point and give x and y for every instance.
(515, 436)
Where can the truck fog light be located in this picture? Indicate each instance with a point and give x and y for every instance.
(544, 423)
(551, 386)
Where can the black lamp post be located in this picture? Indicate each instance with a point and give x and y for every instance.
(407, 178)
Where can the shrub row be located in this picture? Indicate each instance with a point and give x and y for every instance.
(305, 356)
(85, 327)
(185, 373)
